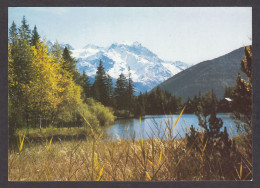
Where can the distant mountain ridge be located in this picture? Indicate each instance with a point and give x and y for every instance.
(62, 45)
(213, 74)
(147, 69)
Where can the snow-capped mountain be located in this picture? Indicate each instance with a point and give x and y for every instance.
(147, 69)
(62, 45)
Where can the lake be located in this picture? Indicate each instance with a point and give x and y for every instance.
(150, 125)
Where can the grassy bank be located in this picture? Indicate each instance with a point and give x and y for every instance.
(48, 132)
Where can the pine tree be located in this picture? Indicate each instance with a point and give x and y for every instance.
(242, 93)
(121, 92)
(189, 106)
(100, 91)
(242, 102)
(110, 90)
(24, 31)
(140, 105)
(86, 85)
(130, 92)
(218, 146)
(13, 34)
(35, 37)
(69, 64)
(21, 55)
(56, 52)
(207, 103)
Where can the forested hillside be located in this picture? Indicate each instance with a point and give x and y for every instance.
(215, 74)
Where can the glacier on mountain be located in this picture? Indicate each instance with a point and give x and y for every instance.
(147, 69)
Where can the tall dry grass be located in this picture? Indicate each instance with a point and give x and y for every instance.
(158, 158)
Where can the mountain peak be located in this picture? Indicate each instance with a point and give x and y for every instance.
(61, 44)
(93, 46)
(136, 43)
(147, 69)
(126, 44)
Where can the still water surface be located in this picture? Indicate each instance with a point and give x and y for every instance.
(150, 125)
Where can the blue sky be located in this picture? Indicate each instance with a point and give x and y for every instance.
(187, 34)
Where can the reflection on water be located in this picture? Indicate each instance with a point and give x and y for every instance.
(154, 124)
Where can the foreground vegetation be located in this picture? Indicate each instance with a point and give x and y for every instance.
(98, 159)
